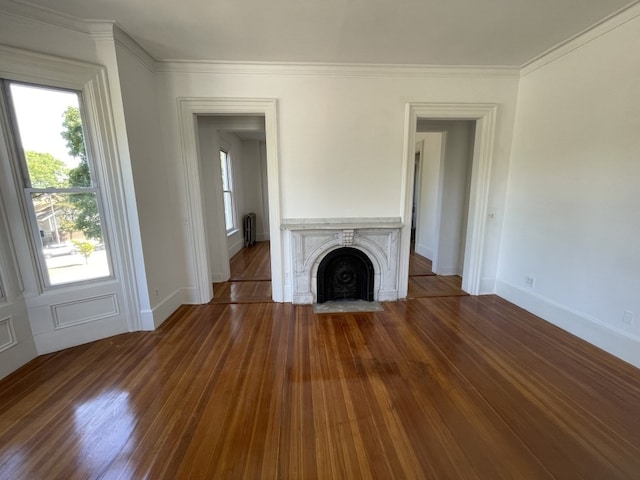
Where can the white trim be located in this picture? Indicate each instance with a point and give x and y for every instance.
(158, 314)
(124, 40)
(57, 311)
(49, 70)
(11, 333)
(188, 108)
(622, 344)
(48, 16)
(581, 39)
(334, 69)
(75, 335)
(485, 116)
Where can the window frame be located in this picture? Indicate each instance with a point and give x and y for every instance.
(19, 161)
(229, 177)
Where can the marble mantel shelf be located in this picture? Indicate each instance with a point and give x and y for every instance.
(340, 223)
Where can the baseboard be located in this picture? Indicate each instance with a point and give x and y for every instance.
(235, 247)
(448, 271)
(262, 237)
(191, 296)
(487, 286)
(424, 250)
(217, 277)
(164, 309)
(617, 342)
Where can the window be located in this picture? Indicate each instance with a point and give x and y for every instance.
(227, 191)
(60, 192)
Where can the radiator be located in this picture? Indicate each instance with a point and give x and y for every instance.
(249, 229)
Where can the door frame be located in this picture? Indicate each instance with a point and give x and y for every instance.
(484, 114)
(189, 109)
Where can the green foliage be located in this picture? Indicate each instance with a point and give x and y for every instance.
(87, 217)
(85, 249)
(73, 134)
(46, 171)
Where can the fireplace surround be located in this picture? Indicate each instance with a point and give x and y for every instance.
(312, 240)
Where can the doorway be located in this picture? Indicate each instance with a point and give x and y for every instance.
(199, 190)
(483, 116)
(233, 174)
(441, 192)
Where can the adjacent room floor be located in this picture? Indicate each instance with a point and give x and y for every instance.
(250, 280)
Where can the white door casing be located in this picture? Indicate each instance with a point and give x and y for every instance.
(189, 109)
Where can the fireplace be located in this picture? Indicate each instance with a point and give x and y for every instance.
(345, 274)
(374, 242)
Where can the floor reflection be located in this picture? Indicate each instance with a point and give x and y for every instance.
(104, 427)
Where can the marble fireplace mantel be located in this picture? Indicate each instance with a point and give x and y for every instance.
(312, 239)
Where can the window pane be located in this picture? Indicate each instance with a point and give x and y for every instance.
(224, 168)
(50, 130)
(228, 211)
(71, 236)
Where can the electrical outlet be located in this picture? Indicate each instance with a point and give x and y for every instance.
(530, 281)
(627, 317)
(156, 292)
(491, 216)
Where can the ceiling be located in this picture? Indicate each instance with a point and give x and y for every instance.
(421, 32)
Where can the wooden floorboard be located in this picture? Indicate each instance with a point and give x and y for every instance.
(419, 265)
(434, 286)
(449, 387)
(251, 263)
(242, 292)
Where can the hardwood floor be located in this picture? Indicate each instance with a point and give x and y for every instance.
(450, 387)
(419, 265)
(424, 283)
(252, 263)
(250, 280)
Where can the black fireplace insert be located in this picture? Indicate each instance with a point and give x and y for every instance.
(345, 274)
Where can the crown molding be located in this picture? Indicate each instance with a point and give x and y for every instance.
(26, 9)
(126, 41)
(333, 69)
(583, 38)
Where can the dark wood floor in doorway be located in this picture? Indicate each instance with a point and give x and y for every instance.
(250, 280)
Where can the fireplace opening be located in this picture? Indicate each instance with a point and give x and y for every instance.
(345, 274)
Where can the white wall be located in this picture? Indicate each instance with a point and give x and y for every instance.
(573, 217)
(158, 216)
(341, 132)
(427, 215)
(253, 167)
